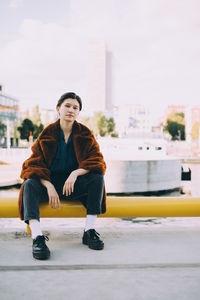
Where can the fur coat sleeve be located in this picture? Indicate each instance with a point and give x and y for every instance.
(35, 166)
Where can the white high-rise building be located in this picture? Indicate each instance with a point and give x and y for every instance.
(96, 76)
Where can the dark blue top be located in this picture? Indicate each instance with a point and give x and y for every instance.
(65, 159)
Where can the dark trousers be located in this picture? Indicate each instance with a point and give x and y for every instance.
(88, 189)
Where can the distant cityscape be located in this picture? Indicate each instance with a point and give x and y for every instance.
(131, 120)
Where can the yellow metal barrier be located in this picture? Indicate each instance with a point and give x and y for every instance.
(116, 207)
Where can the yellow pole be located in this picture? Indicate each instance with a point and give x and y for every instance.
(116, 207)
(28, 229)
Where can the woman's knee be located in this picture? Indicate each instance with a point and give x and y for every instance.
(97, 178)
(31, 184)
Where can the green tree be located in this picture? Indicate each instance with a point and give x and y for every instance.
(26, 127)
(36, 119)
(16, 133)
(175, 125)
(111, 125)
(100, 125)
(37, 130)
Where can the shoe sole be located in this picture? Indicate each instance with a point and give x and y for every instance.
(41, 255)
(93, 247)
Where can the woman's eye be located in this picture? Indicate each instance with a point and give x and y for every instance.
(68, 106)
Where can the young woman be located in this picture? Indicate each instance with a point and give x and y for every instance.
(66, 163)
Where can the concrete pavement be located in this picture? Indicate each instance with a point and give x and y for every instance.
(156, 261)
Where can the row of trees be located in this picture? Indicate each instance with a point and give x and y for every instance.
(100, 125)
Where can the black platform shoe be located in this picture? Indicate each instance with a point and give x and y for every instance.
(40, 249)
(92, 239)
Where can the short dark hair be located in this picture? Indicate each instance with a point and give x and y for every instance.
(67, 96)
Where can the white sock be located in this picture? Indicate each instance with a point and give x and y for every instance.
(35, 228)
(90, 220)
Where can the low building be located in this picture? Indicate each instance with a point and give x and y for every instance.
(9, 108)
(9, 114)
(132, 118)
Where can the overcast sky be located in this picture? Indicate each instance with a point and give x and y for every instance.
(155, 47)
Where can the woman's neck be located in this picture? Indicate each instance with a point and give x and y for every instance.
(66, 126)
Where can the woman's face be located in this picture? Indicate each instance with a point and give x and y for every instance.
(69, 110)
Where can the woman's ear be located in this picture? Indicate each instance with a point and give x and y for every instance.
(58, 109)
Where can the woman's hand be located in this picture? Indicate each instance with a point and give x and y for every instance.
(68, 186)
(54, 200)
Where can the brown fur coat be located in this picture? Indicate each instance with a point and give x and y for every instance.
(44, 149)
